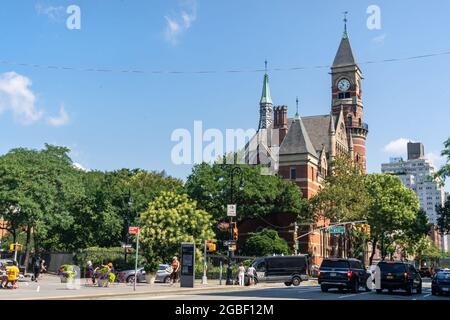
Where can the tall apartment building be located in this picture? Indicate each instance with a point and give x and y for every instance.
(416, 173)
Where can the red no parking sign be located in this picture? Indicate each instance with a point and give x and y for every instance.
(133, 230)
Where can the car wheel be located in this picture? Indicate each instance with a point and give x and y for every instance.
(355, 286)
(130, 279)
(324, 288)
(296, 281)
(167, 279)
(409, 290)
(288, 284)
(379, 291)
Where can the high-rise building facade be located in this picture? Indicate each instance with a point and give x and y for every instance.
(417, 173)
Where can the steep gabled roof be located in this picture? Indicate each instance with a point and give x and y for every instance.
(344, 55)
(297, 140)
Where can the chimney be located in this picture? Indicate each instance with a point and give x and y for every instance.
(282, 124)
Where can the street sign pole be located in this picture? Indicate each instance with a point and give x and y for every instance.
(15, 251)
(136, 262)
(205, 278)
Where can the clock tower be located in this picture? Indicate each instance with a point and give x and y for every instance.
(346, 84)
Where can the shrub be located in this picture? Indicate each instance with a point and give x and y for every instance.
(266, 242)
(99, 256)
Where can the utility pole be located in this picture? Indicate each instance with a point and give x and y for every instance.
(233, 172)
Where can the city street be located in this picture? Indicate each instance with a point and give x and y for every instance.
(51, 288)
(279, 291)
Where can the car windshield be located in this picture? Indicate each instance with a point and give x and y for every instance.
(334, 264)
(392, 267)
(443, 275)
(162, 267)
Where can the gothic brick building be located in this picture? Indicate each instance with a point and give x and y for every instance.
(308, 145)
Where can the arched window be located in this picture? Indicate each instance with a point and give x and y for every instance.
(349, 121)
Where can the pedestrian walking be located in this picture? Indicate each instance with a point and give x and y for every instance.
(241, 274)
(251, 272)
(43, 267)
(175, 269)
(36, 267)
(90, 278)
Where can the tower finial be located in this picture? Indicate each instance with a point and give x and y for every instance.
(345, 36)
(297, 115)
(265, 65)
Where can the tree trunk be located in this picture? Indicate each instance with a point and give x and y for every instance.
(374, 249)
(27, 248)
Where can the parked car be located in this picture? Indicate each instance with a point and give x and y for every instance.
(399, 275)
(343, 274)
(291, 270)
(163, 273)
(128, 276)
(441, 283)
(425, 272)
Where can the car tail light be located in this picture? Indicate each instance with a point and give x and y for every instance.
(350, 273)
(318, 273)
(405, 275)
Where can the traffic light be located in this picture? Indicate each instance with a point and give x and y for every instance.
(210, 247)
(235, 231)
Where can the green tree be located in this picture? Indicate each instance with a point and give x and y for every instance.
(170, 220)
(37, 190)
(262, 195)
(392, 209)
(266, 242)
(444, 172)
(343, 196)
(443, 220)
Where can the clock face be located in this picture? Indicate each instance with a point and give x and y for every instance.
(344, 85)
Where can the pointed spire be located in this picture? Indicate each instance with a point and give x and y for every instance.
(332, 125)
(345, 35)
(297, 115)
(344, 55)
(350, 143)
(265, 97)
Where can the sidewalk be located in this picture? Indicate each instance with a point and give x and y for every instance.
(51, 288)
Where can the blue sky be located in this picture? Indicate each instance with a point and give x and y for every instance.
(112, 120)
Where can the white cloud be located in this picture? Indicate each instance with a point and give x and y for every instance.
(53, 13)
(188, 19)
(436, 159)
(397, 147)
(61, 119)
(80, 167)
(16, 97)
(181, 23)
(379, 39)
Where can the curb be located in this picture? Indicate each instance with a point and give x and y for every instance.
(133, 293)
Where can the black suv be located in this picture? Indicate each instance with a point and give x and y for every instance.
(441, 283)
(343, 274)
(399, 275)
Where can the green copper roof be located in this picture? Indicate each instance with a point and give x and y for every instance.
(266, 98)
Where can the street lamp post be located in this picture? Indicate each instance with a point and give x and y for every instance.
(233, 172)
(130, 203)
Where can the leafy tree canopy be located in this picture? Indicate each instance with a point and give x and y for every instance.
(266, 242)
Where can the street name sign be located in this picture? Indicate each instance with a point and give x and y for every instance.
(231, 210)
(133, 230)
(337, 230)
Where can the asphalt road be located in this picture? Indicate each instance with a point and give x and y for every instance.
(275, 292)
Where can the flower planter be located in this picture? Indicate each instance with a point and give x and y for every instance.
(104, 283)
(150, 278)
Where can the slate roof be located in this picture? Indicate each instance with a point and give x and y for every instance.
(344, 55)
(297, 140)
(317, 128)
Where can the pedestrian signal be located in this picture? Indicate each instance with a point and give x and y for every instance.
(210, 247)
(235, 232)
